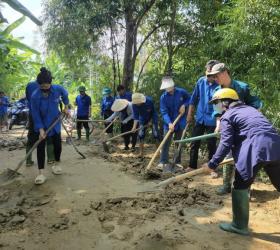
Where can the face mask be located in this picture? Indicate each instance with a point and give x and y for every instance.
(218, 108)
(45, 90)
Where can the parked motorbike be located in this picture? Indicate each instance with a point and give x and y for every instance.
(19, 114)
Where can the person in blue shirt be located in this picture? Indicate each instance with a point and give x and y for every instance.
(221, 74)
(173, 101)
(83, 102)
(123, 94)
(254, 143)
(144, 112)
(106, 104)
(31, 135)
(4, 102)
(204, 118)
(45, 110)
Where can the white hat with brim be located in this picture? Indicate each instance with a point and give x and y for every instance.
(138, 98)
(119, 105)
(167, 82)
(217, 68)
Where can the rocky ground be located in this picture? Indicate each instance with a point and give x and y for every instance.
(99, 203)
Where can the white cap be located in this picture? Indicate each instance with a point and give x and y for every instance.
(119, 104)
(138, 98)
(167, 82)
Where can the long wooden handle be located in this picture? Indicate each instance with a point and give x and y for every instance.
(122, 134)
(190, 174)
(61, 116)
(112, 122)
(162, 142)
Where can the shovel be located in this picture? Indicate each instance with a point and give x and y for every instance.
(160, 186)
(104, 131)
(162, 143)
(171, 168)
(9, 174)
(71, 142)
(106, 146)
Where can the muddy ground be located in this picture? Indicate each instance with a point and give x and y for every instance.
(98, 203)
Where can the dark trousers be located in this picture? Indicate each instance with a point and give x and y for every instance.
(31, 135)
(132, 137)
(56, 141)
(106, 115)
(200, 129)
(272, 168)
(80, 124)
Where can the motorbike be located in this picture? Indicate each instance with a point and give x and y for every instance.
(18, 114)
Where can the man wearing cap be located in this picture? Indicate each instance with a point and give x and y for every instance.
(123, 93)
(221, 74)
(106, 104)
(143, 112)
(205, 120)
(4, 102)
(83, 101)
(122, 109)
(254, 143)
(173, 101)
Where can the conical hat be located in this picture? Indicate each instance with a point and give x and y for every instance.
(119, 104)
(138, 98)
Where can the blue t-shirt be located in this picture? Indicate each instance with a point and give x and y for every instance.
(106, 104)
(127, 95)
(83, 103)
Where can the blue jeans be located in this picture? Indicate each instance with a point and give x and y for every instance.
(164, 156)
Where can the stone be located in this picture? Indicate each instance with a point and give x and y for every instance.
(17, 219)
(190, 200)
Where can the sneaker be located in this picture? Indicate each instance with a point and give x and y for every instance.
(40, 179)
(57, 170)
(160, 166)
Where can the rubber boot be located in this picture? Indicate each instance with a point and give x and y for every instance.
(227, 174)
(50, 153)
(29, 161)
(240, 212)
(87, 134)
(79, 132)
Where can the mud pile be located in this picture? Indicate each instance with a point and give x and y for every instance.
(12, 144)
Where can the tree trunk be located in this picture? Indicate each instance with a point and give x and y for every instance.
(128, 67)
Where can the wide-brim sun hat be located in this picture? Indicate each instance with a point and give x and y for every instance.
(119, 104)
(138, 98)
(217, 68)
(166, 83)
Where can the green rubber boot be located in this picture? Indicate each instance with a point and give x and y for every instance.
(227, 174)
(29, 161)
(87, 134)
(50, 153)
(240, 211)
(79, 132)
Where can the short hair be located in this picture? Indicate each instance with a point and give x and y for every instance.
(44, 76)
(120, 87)
(211, 63)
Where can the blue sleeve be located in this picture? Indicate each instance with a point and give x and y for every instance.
(64, 95)
(226, 142)
(195, 95)
(35, 108)
(164, 111)
(135, 112)
(89, 101)
(6, 103)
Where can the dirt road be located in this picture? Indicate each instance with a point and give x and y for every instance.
(95, 204)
